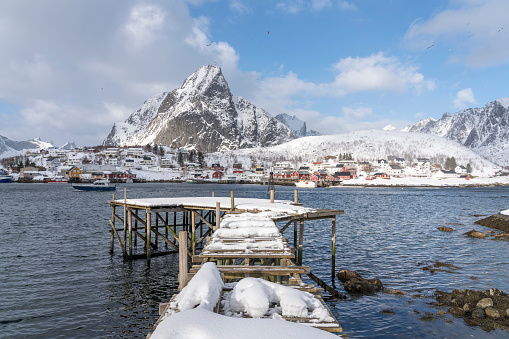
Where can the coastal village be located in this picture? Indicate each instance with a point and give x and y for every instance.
(160, 163)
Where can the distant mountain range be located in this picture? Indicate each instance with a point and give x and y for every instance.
(10, 148)
(202, 114)
(485, 130)
(296, 125)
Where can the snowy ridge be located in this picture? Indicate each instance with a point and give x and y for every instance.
(364, 146)
(202, 114)
(10, 148)
(485, 130)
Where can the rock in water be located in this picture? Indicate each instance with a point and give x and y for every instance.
(485, 302)
(445, 229)
(353, 282)
(475, 234)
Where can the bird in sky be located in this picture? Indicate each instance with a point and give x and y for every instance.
(471, 35)
(501, 29)
(209, 44)
(430, 46)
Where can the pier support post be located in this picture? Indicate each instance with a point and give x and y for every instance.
(218, 215)
(296, 196)
(182, 259)
(112, 243)
(130, 229)
(301, 242)
(193, 233)
(148, 236)
(295, 234)
(232, 198)
(333, 247)
(272, 193)
(125, 222)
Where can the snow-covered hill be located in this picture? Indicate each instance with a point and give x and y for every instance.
(10, 148)
(363, 145)
(202, 113)
(485, 130)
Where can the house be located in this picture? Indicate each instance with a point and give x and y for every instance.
(460, 169)
(217, 175)
(113, 161)
(444, 174)
(382, 175)
(74, 173)
(395, 170)
(129, 163)
(147, 161)
(166, 162)
(343, 175)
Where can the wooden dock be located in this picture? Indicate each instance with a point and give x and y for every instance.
(202, 230)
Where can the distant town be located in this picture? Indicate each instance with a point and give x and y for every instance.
(161, 163)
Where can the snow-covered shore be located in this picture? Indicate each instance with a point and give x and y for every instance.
(429, 182)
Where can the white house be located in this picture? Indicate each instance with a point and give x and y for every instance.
(460, 169)
(444, 174)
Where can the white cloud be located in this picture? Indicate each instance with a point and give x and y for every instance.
(297, 6)
(471, 26)
(346, 5)
(239, 7)
(144, 23)
(464, 98)
(377, 73)
(356, 113)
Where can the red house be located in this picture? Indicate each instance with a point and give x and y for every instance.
(217, 175)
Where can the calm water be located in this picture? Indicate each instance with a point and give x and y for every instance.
(57, 278)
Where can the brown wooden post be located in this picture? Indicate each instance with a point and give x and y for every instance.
(166, 231)
(147, 248)
(296, 195)
(218, 215)
(295, 234)
(301, 242)
(333, 237)
(125, 222)
(130, 226)
(232, 198)
(136, 228)
(182, 259)
(112, 243)
(272, 193)
(156, 237)
(193, 233)
(212, 194)
(174, 225)
(333, 259)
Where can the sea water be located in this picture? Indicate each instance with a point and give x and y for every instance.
(58, 279)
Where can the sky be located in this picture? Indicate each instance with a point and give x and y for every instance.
(69, 70)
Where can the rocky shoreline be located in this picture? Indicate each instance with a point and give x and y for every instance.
(497, 221)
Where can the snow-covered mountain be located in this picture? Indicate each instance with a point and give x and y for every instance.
(296, 125)
(364, 146)
(68, 145)
(10, 148)
(202, 113)
(485, 130)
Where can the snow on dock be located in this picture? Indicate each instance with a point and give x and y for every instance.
(246, 275)
(246, 272)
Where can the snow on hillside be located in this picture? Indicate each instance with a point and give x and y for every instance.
(367, 145)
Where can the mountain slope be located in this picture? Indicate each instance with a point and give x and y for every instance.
(202, 113)
(9, 148)
(364, 146)
(485, 130)
(296, 125)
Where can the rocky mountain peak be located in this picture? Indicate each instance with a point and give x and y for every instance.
(202, 114)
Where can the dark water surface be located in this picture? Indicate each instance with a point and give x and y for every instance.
(57, 278)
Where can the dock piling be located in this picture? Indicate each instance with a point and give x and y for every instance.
(182, 259)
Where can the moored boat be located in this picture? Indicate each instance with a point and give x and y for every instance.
(57, 180)
(305, 183)
(98, 185)
(5, 177)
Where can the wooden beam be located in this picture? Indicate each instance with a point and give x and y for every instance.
(182, 259)
(202, 219)
(118, 237)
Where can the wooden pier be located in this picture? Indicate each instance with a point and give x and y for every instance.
(194, 227)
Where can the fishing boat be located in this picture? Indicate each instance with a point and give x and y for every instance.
(4, 177)
(305, 183)
(98, 185)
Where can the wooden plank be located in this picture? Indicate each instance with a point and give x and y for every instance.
(182, 260)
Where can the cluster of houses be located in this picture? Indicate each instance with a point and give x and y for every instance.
(119, 164)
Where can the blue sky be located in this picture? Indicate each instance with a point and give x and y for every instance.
(70, 69)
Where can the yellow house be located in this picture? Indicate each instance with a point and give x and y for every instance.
(74, 172)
